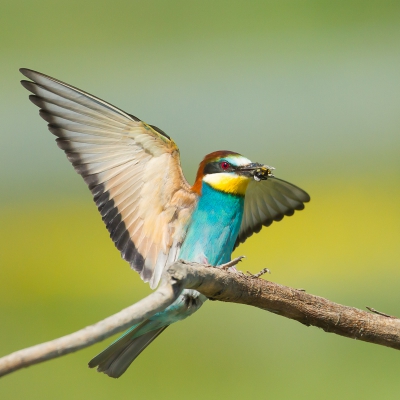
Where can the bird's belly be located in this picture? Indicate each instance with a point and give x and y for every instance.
(213, 249)
(213, 231)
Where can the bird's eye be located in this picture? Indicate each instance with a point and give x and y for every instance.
(225, 165)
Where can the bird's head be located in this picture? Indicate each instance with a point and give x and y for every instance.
(229, 172)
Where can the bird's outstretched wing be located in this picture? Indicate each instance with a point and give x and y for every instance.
(132, 168)
(268, 201)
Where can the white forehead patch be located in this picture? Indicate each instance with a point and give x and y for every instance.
(237, 160)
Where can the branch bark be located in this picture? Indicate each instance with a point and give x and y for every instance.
(217, 284)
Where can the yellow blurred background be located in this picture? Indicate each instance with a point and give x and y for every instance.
(311, 87)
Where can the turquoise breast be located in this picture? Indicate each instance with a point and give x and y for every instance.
(214, 227)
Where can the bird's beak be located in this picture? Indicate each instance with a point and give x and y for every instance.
(257, 171)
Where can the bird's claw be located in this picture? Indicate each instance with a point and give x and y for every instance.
(231, 264)
(258, 274)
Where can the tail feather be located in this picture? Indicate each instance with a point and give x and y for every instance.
(118, 345)
(115, 360)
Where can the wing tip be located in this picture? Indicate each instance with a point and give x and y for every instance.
(306, 198)
(29, 73)
(27, 84)
(24, 71)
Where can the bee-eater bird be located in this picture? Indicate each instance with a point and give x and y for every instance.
(152, 213)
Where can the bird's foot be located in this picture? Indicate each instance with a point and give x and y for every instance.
(258, 274)
(231, 264)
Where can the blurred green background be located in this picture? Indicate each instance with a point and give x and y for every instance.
(310, 87)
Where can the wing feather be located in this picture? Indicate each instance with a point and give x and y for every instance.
(269, 201)
(132, 168)
(64, 92)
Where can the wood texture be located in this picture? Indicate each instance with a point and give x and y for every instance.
(298, 305)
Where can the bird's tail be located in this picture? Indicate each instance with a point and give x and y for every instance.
(117, 357)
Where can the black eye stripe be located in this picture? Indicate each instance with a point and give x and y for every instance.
(212, 168)
(215, 167)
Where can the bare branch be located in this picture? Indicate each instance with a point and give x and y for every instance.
(298, 305)
(166, 294)
(221, 285)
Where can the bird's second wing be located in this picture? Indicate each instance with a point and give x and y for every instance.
(132, 169)
(268, 201)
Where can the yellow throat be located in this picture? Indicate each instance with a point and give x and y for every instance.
(228, 183)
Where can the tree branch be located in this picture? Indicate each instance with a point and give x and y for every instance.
(217, 284)
(167, 293)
